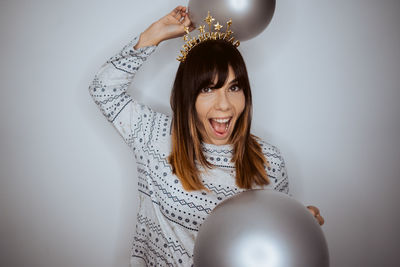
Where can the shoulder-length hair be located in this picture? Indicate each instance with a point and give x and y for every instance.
(204, 63)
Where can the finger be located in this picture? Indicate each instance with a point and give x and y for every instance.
(178, 16)
(175, 11)
(188, 23)
(179, 11)
(320, 219)
(183, 14)
(314, 210)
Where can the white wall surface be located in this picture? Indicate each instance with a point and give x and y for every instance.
(326, 85)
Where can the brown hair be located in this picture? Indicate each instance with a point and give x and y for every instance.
(204, 62)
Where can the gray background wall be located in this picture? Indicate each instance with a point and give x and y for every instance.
(325, 78)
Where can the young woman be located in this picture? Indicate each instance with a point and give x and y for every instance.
(204, 154)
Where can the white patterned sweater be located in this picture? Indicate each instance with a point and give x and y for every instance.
(168, 217)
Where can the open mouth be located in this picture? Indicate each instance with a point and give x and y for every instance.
(220, 125)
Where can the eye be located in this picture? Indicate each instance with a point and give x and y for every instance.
(206, 90)
(235, 88)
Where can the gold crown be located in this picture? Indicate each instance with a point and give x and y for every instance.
(205, 36)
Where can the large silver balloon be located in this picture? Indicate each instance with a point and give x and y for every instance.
(250, 17)
(260, 228)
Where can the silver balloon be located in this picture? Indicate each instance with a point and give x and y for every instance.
(260, 228)
(250, 17)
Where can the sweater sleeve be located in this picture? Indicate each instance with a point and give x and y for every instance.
(281, 181)
(276, 169)
(108, 90)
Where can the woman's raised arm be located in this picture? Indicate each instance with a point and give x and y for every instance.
(109, 86)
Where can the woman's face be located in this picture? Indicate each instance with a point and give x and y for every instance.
(218, 110)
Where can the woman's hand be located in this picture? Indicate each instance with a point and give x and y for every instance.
(170, 26)
(315, 212)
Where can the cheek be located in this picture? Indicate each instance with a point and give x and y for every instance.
(202, 108)
(240, 102)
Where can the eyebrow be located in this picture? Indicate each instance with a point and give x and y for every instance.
(212, 85)
(234, 81)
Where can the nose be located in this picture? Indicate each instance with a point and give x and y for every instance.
(222, 100)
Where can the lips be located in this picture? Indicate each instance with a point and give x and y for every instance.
(220, 125)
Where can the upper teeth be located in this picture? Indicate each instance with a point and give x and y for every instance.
(222, 120)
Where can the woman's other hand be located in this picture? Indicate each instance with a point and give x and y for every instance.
(315, 212)
(170, 26)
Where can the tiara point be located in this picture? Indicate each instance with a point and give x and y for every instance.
(201, 28)
(209, 19)
(207, 35)
(186, 28)
(218, 26)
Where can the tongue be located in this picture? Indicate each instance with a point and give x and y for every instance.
(219, 127)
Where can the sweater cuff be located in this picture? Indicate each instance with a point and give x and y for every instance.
(142, 52)
(129, 59)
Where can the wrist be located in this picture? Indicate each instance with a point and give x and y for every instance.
(148, 38)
